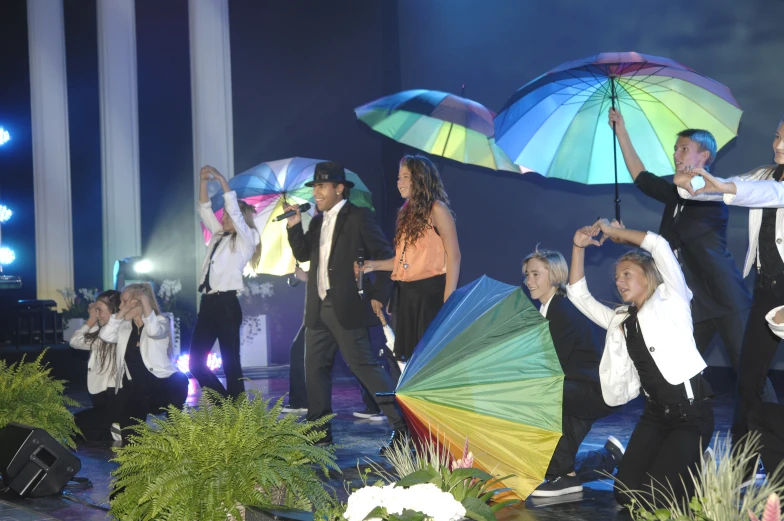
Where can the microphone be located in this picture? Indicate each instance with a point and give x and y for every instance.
(361, 276)
(302, 208)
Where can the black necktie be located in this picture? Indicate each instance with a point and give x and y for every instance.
(206, 284)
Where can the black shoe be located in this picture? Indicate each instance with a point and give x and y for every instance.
(616, 450)
(398, 438)
(559, 486)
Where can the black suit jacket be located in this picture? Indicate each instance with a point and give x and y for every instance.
(571, 333)
(699, 232)
(355, 228)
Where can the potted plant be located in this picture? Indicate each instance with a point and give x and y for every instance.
(30, 396)
(75, 312)
(212, 461)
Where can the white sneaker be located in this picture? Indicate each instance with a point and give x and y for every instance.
(293, 410)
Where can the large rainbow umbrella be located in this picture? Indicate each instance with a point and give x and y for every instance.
(438, 123)
(556, 125)
(267, 187)
(487, 369)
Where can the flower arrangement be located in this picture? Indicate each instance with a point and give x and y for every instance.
(76, 303)
(427, 484)
(167, 293)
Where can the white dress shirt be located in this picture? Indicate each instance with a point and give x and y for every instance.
(325, 247)
(544, 306)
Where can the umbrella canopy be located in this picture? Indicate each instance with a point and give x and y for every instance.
(267, 187)
(487, 369)
(556, 125)
(438, 123)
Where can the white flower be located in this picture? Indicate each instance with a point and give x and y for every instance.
(169, 289)
(425, 498)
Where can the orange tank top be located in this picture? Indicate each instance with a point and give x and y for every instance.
(424, 259)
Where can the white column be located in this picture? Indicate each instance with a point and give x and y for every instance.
(119, 132)
(213, 132)
(51, 159)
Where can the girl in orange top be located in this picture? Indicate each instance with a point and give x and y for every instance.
(426, 265)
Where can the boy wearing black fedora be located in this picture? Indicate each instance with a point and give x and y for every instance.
(336, 316)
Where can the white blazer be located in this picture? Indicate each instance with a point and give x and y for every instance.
(755, 190)
(97, 380)
(153, 344)
(227, 264)
(665, 322)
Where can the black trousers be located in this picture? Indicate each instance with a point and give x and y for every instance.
(135, 399)
(298, 397)
(322, 343)
(768, 420)
(582, 406)
(730, 329)
(759, 348)
(665, 444)
(220, 316)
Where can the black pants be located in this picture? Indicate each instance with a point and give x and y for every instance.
(759, 348)
(135, 399)
(730, 329)
(394, 372)
(665, 444)
(219, 319)
(321, 345)
(768, 420)
(582, 406)
(298, 397)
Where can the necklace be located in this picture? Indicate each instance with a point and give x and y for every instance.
(403, 256)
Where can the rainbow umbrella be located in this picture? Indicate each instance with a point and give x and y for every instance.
(438, 123)
(487, 369)
(267, 187)
(556, 125)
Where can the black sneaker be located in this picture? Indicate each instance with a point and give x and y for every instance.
(615, 448)
(559, 486)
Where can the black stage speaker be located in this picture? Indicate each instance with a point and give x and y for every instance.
(32, 463)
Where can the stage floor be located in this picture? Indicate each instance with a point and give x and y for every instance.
(362, 439)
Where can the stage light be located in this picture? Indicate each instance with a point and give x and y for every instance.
(143, 266)
(214, 362)
(5, 213)
(5, 137)
(7, 255)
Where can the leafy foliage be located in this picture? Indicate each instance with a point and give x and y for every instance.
(209, 462)
(30, 396)
(718, 495)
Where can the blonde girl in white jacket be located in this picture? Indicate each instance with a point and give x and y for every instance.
(649, 347)
(95, 422)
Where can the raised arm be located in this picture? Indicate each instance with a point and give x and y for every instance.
(205, 207)
(630, 157)
(739, 191)
(246, 234)
(577, 290)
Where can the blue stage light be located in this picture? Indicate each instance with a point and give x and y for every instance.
(5, 137)
(5, 213)
(7, 255)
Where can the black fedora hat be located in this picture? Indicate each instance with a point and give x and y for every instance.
(329, 172)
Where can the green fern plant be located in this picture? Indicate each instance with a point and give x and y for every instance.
(209, 462)
(718, 495)
(30, 396)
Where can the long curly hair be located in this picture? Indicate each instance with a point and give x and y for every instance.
(105, 352)
(413, 218)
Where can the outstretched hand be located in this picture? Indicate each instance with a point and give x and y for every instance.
(585, 236)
